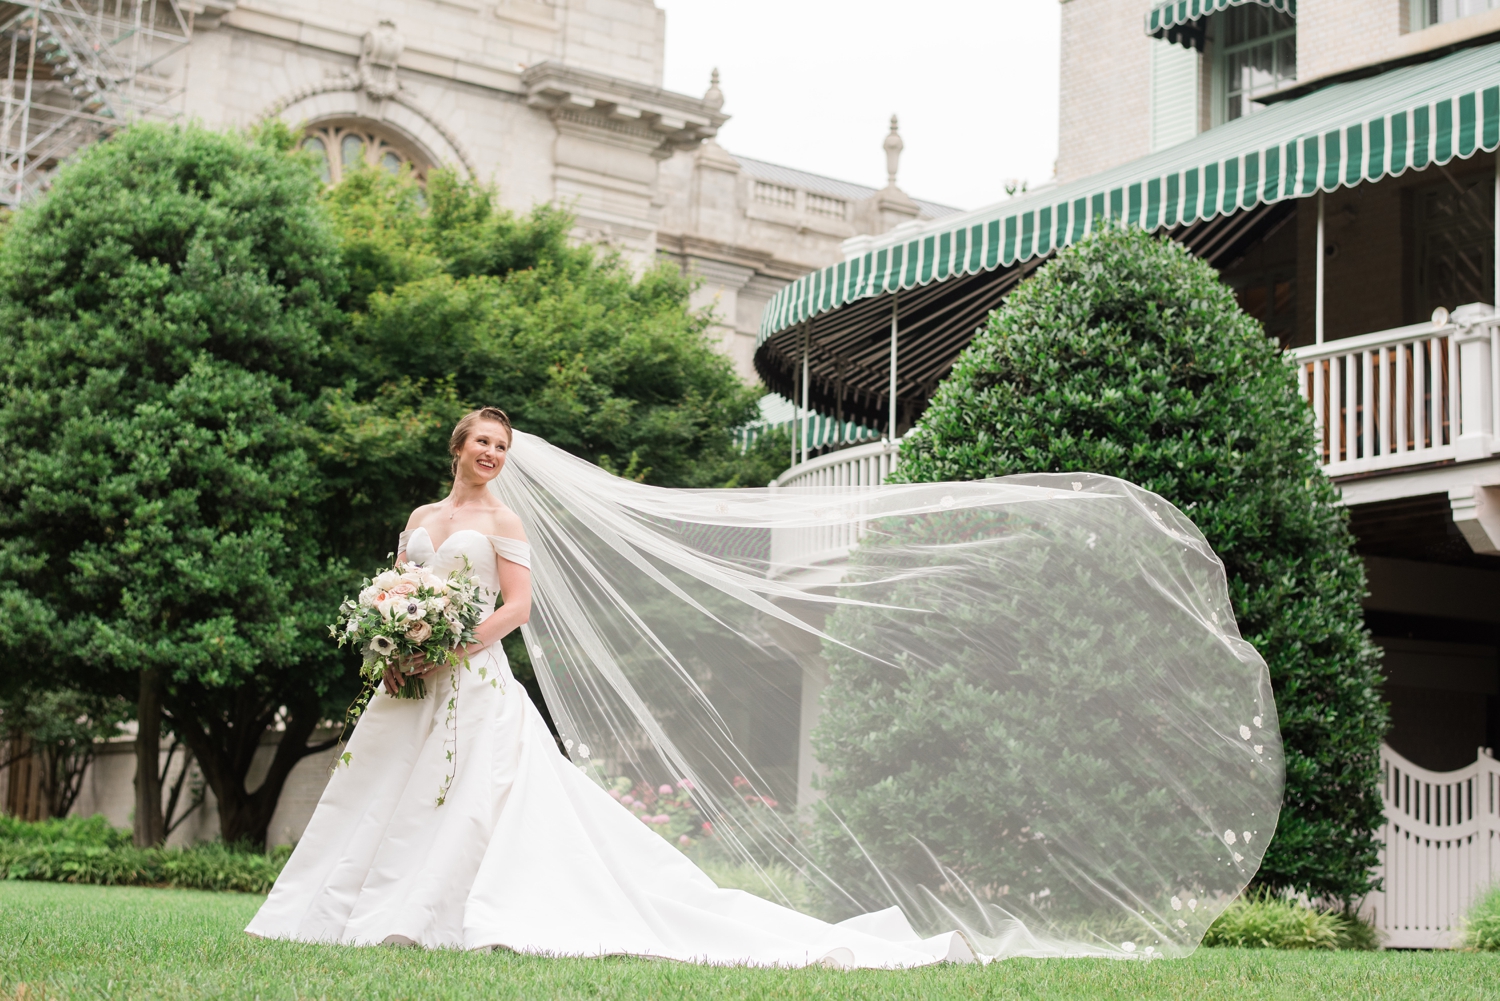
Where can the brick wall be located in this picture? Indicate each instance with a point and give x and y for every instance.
(1105, 72)
(1338, 35)
(1105, 79)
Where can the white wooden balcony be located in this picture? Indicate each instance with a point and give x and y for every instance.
(1399, 413)
(1407, 397)
(857, 466)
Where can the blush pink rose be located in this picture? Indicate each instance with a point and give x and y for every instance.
(405, 587)
(419, 631)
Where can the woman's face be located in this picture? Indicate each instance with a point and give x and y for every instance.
(483, 454)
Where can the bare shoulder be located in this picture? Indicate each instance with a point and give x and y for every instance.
(420, 516)
(505, 522)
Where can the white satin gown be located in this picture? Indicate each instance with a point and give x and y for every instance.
(527, 853)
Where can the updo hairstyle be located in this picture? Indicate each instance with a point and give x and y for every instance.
(465, 427)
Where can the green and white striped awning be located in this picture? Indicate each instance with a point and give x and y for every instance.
(1342, 135)
(776, 412)
(1177, 20)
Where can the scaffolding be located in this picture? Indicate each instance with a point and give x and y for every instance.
(79, 69)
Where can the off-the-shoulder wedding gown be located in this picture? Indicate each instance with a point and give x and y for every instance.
(527, 853)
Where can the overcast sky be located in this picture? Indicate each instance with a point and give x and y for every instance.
(812, 84)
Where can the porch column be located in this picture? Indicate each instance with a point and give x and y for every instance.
(1322, 252)
(806, 353)
(895, 302)
(1476, 391)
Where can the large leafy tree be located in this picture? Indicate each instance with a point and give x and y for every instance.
(1129, 357)
(226, 387)
(456, 296)
(165, 314)
(456, 303)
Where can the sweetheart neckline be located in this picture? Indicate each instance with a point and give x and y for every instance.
(439, 548)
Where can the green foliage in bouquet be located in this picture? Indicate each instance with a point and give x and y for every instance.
(405, 610)
(1127, 356)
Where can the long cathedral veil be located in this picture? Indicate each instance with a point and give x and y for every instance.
(1018, 707)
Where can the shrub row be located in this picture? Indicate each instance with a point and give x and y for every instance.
(95, 830)
(1482, 926)
(89, 850)
(1264, 921)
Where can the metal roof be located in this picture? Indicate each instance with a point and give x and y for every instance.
(1218, 193)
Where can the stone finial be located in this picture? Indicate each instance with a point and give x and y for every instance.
(714, 97)
(378, 57)
(893, 147)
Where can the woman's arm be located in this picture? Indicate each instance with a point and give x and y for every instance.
(393, 680)
(515, 588)
(412, 522)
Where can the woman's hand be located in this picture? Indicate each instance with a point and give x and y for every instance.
(393, 680)
(417, 666)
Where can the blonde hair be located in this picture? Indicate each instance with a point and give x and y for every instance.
(465, 427)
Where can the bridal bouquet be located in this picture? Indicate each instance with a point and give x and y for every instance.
(407, 610)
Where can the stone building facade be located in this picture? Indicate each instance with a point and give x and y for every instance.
(556, 101)
(552, 101)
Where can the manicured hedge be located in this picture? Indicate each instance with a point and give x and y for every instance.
(1127, 356)
(78, 850)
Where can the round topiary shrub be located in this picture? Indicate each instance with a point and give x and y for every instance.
(1127, 356)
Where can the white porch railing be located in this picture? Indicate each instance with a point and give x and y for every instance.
(858, 466)
(1441, 849)
(1393, 399)
(794, 550)
(1406, 397)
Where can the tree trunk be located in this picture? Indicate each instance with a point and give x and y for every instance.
(226, 753)
(148, 819)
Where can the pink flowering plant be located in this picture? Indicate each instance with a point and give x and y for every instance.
(666, 809)
(669, 810)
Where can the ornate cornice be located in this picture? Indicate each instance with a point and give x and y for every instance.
(672, 121)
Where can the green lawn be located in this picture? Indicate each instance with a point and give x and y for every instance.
(62, 941)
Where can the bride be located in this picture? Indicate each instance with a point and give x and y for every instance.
(653, 607)
(527, 853)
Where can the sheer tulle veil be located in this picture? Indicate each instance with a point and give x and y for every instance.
(1017, 707)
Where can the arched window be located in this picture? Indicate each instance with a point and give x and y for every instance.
(358, 142)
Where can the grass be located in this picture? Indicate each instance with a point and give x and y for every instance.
(68, 941)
